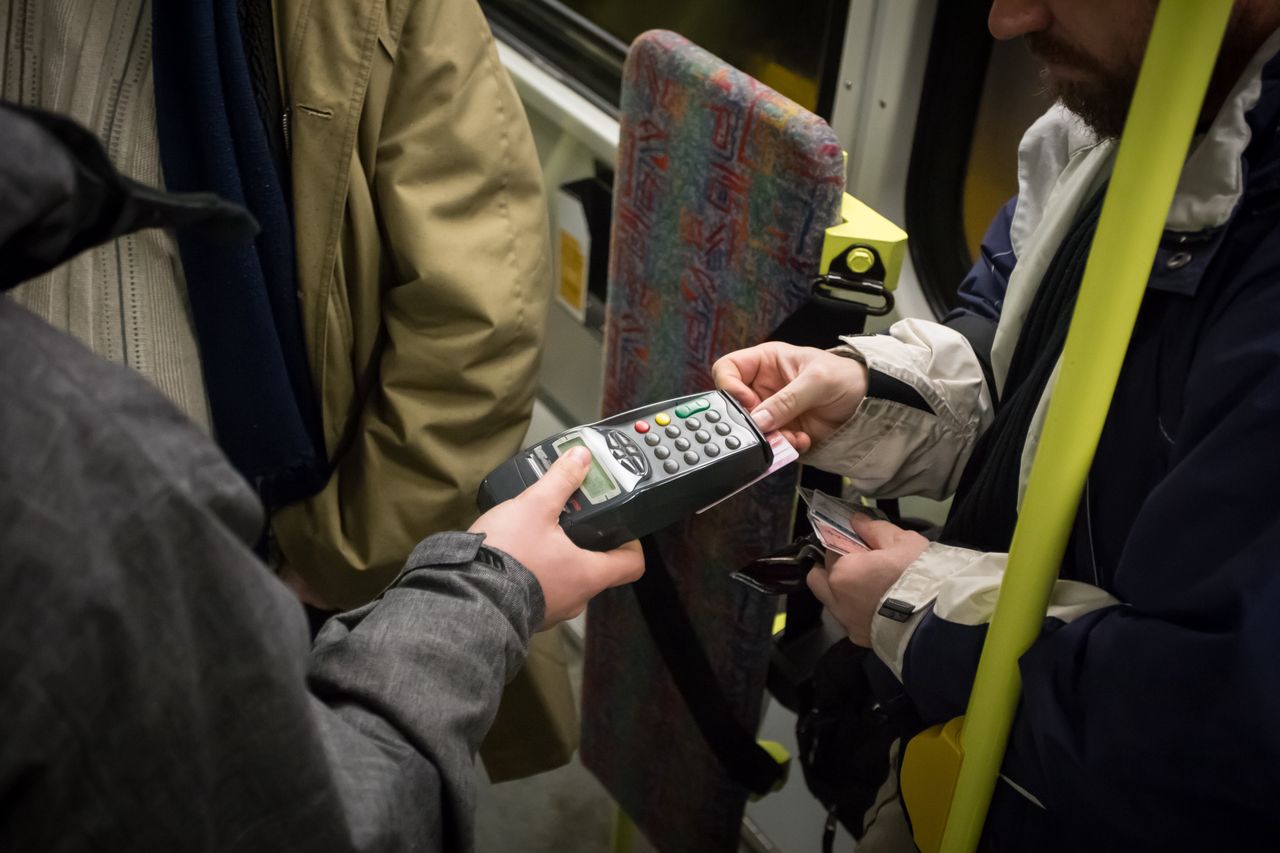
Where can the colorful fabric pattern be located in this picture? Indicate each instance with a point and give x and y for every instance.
(722, 192)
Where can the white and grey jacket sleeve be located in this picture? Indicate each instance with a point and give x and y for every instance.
(928, 401)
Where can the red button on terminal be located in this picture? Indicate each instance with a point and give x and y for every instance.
(642, 427)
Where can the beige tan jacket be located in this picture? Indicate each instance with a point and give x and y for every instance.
(423, 273)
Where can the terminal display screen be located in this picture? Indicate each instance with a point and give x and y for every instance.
(598, 486)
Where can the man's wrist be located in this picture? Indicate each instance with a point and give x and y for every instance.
(905, 604)
(468, 550)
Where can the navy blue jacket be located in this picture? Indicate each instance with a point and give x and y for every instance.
(1155, 724)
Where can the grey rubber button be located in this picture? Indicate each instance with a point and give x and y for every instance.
(732, 443)
(691, 457)
(702, 436)
(693, 423)
(671, 466)
(662, 452)
(652, 439)
(712, 450)
(673, 430)
(682, 444)
(723, 429)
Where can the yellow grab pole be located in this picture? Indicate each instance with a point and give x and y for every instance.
(1157, 134)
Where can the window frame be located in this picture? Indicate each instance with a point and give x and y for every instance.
(954, 78)
(589, 59)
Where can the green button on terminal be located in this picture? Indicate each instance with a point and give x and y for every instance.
(699, 405)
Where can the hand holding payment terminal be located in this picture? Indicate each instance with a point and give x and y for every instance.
(651, 467)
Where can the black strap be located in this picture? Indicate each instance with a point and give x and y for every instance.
(829, 831)
(985, 509)
(825, 316)
(820, 322)
(733, 745)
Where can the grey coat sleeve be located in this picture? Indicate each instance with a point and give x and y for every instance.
(405, 688)
(157, 684)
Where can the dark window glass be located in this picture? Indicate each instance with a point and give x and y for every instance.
(793, 47)
(1012, 99)
(979, 97)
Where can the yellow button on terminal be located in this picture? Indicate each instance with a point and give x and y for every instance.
(662, 419)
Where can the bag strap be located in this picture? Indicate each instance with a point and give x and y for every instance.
(733, 745)
(828, 313)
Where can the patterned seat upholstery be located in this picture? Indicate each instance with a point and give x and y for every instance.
(723, 189)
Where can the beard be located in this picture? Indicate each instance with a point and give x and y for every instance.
(1101, 106)
(1100, 96)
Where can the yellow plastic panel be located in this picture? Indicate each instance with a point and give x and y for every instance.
(929, 772)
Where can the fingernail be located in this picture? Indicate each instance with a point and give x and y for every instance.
(581, 456)
(763, 419)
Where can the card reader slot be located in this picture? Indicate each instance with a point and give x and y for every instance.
(538, 470)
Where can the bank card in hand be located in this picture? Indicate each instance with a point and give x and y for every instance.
(829, 518)
(783, 455)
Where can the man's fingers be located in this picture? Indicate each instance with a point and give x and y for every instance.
(622, 565)
(854, 561)
(562, 479)
(792, 400)
(820, 586)
(727, 373)
(878, 534)
(799, 439)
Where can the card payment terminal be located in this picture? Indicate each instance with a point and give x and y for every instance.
(650, 467)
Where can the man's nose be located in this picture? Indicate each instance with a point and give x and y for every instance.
(1010, 19)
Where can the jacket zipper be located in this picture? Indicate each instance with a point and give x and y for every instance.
(284, 126)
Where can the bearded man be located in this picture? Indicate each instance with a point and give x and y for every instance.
(1149, 699)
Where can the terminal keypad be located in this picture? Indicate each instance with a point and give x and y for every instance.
(670, 444)
(629, 456)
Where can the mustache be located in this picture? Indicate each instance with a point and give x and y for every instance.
(1051, 49)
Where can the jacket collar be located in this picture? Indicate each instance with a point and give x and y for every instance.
(1214, 179)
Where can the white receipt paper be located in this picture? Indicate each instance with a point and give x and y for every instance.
(783, 454)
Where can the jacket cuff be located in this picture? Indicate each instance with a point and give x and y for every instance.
(907, 601)
(926, 403)
(457, 549)
(857, 438)
(936, 362)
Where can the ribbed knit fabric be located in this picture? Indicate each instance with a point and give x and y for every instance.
(127, 300)
(244, 298)
(985, 510)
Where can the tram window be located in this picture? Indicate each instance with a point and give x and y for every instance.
(1012, 98)
(979, 97)
(792, 47)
